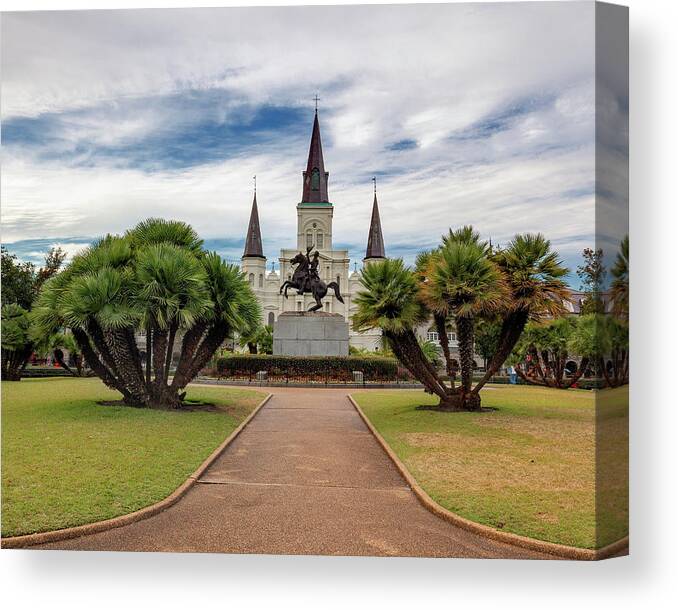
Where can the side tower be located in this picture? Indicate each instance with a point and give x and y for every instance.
(375, 238)
(314, 211)
(253, 259)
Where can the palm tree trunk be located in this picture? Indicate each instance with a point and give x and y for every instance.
(441, 327)
(59, 358)
(97, 334)
(465, 338)
(578, 373)
(170, 348)
(189, 345)
(407, 350)
(207, 348)
(159, 355)
(527, 378)
(603, 368)
(11, 364)
(97, 365)
(77, 358)
(149, 354)
(128, 366)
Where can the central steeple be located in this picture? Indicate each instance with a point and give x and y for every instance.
(315, 176)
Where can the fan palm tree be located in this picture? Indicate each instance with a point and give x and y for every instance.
(390, 302)
(534, 274)
(17, 345)
(462, 283)
(157, 280)
(549, 345)
(55, 344)
(620, 283)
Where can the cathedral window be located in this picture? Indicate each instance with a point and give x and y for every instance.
(271, 318)
(261, 280)
(251, 279)
(315, 179)
(309, 239)
(319, 240)
(339, 281)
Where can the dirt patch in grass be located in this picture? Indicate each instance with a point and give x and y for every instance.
(464, 462)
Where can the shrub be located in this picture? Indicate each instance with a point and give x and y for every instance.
(320, 368)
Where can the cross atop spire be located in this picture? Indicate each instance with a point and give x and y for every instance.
(316, 98)
(374, 179)
(255, 183)
(315, 176)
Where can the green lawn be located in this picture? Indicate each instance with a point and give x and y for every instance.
(67, 460)
(528, 467)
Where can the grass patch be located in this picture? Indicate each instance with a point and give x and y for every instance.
(67, 460)
(528, 466)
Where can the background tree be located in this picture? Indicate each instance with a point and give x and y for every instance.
(258, 340)
(462, 283)
(620, 282)
(18, 279)
(390, 302)
(603, 341)
(55, 344)
(542, 353)
(21, 282)
(534, 274)
(157, 280)
(430, 350)
(487, 335)
(17, 345)
(592, 275)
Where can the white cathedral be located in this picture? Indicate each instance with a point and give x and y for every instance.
(314, 228)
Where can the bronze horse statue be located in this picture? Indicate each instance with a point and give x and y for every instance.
(305, 280)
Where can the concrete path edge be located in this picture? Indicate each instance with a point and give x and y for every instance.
(28, 540)
(558, 550)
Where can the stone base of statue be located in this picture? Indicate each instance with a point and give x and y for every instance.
(303, 333)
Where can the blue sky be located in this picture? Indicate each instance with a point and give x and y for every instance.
(478, 114)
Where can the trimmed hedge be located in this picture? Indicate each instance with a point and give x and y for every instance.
(34, 371)
(582, 384)
(318, 368)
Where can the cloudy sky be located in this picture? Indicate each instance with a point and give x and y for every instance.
(480, 114)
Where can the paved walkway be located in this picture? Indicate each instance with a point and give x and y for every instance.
(305, 476)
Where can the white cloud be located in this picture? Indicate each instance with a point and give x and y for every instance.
(428, 73)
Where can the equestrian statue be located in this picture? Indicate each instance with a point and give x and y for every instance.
(307, 280)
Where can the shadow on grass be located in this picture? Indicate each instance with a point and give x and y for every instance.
(444, 410)
(186, 405)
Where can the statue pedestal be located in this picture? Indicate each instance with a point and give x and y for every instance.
(302, 333)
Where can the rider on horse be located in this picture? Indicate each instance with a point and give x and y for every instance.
(313, 276)
(306, 279)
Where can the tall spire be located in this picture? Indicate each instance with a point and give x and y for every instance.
(315, 176)
(253, 245)
(375, 238)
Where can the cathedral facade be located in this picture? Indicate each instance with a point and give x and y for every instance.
(315, 212)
